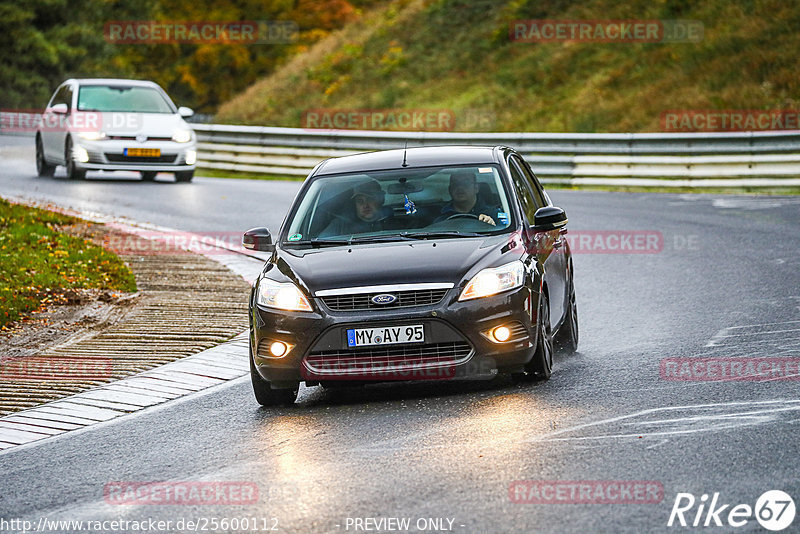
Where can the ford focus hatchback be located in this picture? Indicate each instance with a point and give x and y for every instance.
(435, 263)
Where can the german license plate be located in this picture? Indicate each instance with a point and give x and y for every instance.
(142, 152)
(385, 335)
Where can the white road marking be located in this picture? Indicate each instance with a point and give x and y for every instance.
(752, 203)
(656, 445)
(681, 425)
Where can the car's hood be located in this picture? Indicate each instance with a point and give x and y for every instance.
(150, 124)
(406, 262)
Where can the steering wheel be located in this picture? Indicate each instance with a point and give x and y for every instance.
(463, 215)
(467, 216)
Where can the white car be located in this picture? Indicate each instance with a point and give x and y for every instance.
(115, 125)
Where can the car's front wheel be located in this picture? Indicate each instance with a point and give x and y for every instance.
(184, 176)
(567, 337)
(541, 365)
(43, 168)
(265, 395)
(73, 173)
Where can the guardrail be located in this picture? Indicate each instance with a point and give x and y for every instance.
(728, 159)
(686, 160)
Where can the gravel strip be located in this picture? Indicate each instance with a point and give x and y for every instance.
(187, 303)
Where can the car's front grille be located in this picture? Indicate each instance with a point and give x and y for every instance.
(382, 359)
(119, 158)
(405, 299)
(133, 138)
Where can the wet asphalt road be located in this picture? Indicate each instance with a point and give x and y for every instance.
(726, 283)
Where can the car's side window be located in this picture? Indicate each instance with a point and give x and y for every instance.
(62, 96)
(526, 199)
(536, 188)
(58, 97)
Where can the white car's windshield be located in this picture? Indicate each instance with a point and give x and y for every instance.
(122, 98)
(410, 203)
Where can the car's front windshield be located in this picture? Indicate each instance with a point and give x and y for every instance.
(437, 202)
(122, 98)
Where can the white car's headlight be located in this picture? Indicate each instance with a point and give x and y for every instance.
(495, 280)
(92, 136)
(283, 296)
(182, 136)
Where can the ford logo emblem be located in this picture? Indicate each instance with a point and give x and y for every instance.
(383, 298)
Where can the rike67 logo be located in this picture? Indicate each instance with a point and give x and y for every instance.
(774, 510)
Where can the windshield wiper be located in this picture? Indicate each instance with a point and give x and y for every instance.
(380, 238)
(385, 238)
(441, 234)
(319, 242)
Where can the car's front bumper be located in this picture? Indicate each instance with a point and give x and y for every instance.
(109, 155)
(456, 342)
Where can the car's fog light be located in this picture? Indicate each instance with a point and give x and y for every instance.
(80, 154)
(191, 157)
(501, 334)
(278, 349)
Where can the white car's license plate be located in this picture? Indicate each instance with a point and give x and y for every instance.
(385, 335)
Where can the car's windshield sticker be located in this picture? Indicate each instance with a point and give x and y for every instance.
(295, 237)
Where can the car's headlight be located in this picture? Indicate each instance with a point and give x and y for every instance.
(92, 136)
(283, 296)
(182, 136)
(494, 280)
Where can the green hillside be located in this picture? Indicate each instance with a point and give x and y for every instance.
(456, 55)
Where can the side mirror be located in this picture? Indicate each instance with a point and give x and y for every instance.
(185, 112)
(549, 218)
(61, 109)
(258, 239)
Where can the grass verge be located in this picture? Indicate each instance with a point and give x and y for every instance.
(41, 264)
(214, 173)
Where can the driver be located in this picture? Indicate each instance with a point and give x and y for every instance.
(464, 194)
(368, 213)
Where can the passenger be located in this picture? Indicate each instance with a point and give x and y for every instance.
(464, 194)
(367, 215)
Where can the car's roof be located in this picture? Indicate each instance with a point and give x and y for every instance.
(413, 157)
(112, 81)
